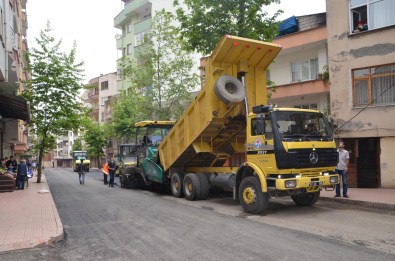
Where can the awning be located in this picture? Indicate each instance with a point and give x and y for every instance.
(14, 107)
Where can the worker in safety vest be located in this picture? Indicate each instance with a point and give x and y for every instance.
(105, 173)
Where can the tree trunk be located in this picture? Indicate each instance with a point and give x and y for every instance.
(40, 161)
(98, 163)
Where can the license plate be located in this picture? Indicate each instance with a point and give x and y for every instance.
(315, 183)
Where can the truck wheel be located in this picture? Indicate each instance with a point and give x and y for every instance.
(204, 186)
(176, 185)
(133, 182)
(251, 196)
(308, 199)
(229, 89)
(192, 188)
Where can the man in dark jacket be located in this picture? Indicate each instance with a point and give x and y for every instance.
(21, 174)
(112, 167)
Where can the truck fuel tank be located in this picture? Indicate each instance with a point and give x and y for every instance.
(225, 181)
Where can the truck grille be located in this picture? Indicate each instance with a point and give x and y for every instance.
(326, 158)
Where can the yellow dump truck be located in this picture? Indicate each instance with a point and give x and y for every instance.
(77, 157)
(229, 137)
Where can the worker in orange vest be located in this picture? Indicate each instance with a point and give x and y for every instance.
(105, 173)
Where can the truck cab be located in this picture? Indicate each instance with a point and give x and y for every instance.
(140, 160)
(293, 150)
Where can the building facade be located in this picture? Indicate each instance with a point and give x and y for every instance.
(362, 82)
(135, 23)
(99, 98)
(298, 70)
(14, 111)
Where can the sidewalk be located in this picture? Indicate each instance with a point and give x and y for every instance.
(29, 217)
(372, 197)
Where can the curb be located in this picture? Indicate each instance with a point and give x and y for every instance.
(360, 203)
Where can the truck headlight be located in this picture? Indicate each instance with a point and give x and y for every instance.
(334, 180)
(290, 183)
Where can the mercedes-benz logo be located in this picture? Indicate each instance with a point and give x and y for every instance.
(313, 157)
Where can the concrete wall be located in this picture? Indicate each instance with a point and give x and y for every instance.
(347, 51)
(387, 163)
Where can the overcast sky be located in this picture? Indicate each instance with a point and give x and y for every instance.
(90, 23)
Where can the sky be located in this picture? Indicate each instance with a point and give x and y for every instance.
(90, 23)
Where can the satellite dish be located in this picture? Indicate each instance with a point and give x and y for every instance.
(118, 36)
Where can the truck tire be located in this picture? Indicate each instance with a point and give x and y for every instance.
(176, 183)
(229, 89)
(192, 187)
(133, 182)
(251, 197)
(204, 186)
(308, 199)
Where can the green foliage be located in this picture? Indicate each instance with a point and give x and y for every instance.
(94, 137)
(204, 22)
(160, 80)
(52, 91)
(77, 145)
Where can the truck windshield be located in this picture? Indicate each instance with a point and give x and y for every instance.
(299, 125)
(79, 155)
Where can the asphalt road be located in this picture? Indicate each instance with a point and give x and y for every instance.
(103, 223)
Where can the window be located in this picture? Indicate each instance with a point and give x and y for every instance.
(262, 126)
(304, 70)
(374, 85)
(312, 106)
(141, 37)
(104, 85)
(119, 74)
(129, 28)
(103, 101)
(373, 13)
(129, 49)
(102, 117)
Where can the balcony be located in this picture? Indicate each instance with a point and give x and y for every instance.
(133, 8)
(142, 25)
(300, 89)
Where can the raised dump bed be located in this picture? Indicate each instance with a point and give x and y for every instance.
(213, 127)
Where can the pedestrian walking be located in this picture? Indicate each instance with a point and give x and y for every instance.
(21, 174)
(105, 173)
(341, 169)
(34, 166)
(112, 167)
(81, 173)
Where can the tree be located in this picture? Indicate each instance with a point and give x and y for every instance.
(95, 139)
(204, 22)
(52, 91)
(161, 79)
(77, 145)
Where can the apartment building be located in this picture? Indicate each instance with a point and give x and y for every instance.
(135, 22)
(362, 86)
(14, 111)
(299, 69)
(107, 93)
(99, 98)
(62, 154)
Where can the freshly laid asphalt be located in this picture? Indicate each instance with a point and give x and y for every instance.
(30, 219)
